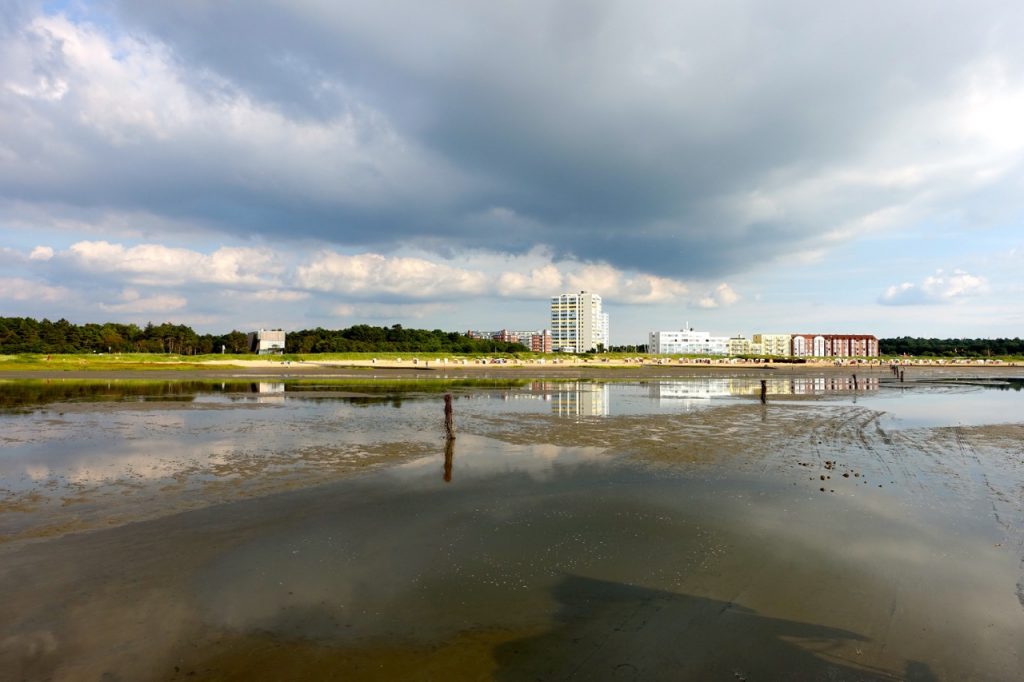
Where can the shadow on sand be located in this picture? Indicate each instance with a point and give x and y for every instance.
(612, 631)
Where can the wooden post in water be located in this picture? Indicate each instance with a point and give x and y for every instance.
(764, 391)
(855, 387)
(449, 416)
(449, 457)
(901, 376)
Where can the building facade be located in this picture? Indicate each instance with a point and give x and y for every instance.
(739, 345)
(578, 323)
(266, 341)
(687, 342)
(536, 341)
(541, 342)
(835, 345)
(780, 345)
(506, 336)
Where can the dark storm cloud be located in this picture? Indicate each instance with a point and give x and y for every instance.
(631, 133)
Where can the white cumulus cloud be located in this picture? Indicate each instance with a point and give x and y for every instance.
(388, 311)
(367, 275)
(134, 302)
(538, 282)
(19, 289)
(286, 295)
(372, 274)
(719, 297)
(41, 253)
(158, 265)
(941, 287)
(615, 285)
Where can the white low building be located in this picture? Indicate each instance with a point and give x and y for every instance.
(687, 342)
(267, 341)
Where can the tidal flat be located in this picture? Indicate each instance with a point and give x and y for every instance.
(647, 527)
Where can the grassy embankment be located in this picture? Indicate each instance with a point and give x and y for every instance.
(173, 362)
(170, 361)
(21, 393)
(92, 361)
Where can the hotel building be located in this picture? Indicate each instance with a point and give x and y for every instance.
(740, 345)
(835, 345)
(774, 344)
(541, 342)
(686, 342)
(536, 341)
(578, 324)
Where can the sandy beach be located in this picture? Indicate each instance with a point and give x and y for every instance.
(638, 368)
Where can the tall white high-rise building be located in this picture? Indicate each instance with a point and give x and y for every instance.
(577, 323)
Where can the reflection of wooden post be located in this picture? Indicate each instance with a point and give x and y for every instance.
(449, 455)
(855, 387)
(764, 391)
(449, 417)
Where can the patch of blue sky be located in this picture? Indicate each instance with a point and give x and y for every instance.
(95, 12)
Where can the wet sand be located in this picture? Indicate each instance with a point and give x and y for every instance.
(811, 538)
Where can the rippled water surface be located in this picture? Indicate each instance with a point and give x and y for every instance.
(660, 529)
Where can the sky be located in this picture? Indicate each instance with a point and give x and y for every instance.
(738, 167)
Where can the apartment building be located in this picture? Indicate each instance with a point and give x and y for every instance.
(541, 342)
(536, 341)
(578, 323)
(506, 336)
(687, 342)
(780, 345)
(835, 345)
(739, 345)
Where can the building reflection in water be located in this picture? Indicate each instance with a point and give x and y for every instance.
(702, 388)
(268, 391)
(594, 399)
(571, 398)
(580, 399)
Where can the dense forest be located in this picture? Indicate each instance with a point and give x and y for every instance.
(26, 335)
(963, 348)
(364, 338)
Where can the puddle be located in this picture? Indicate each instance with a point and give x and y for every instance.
(947, 405)
(597, 530)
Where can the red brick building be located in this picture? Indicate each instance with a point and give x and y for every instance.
(835, 345)
(541, 342)
(506, 336)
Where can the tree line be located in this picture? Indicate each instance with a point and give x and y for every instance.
(969, 348)
(27, 335)
(363, 338)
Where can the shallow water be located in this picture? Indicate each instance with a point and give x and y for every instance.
(625, 530)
